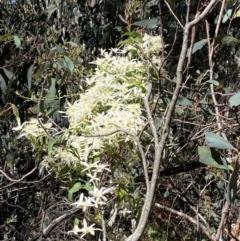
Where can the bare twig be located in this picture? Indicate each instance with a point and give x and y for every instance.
(170, 9)
(56, 222)
(185, 216)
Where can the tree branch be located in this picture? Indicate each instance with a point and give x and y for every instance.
(159, 146)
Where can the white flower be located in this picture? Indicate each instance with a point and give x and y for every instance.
(84, 204)
(88, 229)
(93, 177)
(75, 230)
(89, 165)
(98, 194)
(33, 128)
(101, 167)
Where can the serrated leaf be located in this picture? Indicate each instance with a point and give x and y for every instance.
(69, 63)
(184, 101)
(76, 187)
(197, 46)
(234, 100)
(217, 141)
(227, 15)
(29, 77)
(148, 23)
(211, 158)
(17, 41)
(232, 186)
(8, 73)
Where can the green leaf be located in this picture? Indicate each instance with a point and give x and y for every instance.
(228, 40)
(51, 8)
(237, 14)
(211, 158)
(8, 73)
(227, 15)
(179, 110)
(214, 82)
(72, 44)
(60, 50)
(45, 66)
(51, 112)
(197, 46)
(76, 221)
(232, 186)
(17, 41)
(15, 111)
(62, 63)
(148, 23)
(69, 63)
(50, 145)
(41, 105)
(29, 76)
(217, 141)
(3, 84)
(76, 187)
(184, 101)
(234, 100)
(49, 98)
(88, 186)
(34, 109)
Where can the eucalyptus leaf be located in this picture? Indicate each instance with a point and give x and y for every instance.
(62, 63)
(148, 23)
(72, 44)
(50, 145)
(210, 158)
(227, 15)
(17, 41)
(69, 63)
(234, 100)
(184, 101)
(60, 49)
(217, 141)
(228, 40)
(232, 186)
(29, 77)
(34, 109)
(3, 84)
(8, 73)
(214, 82)
(51, 8)
(197, 46)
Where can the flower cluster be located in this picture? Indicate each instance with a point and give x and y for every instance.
(33, 128)
(103, 120)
